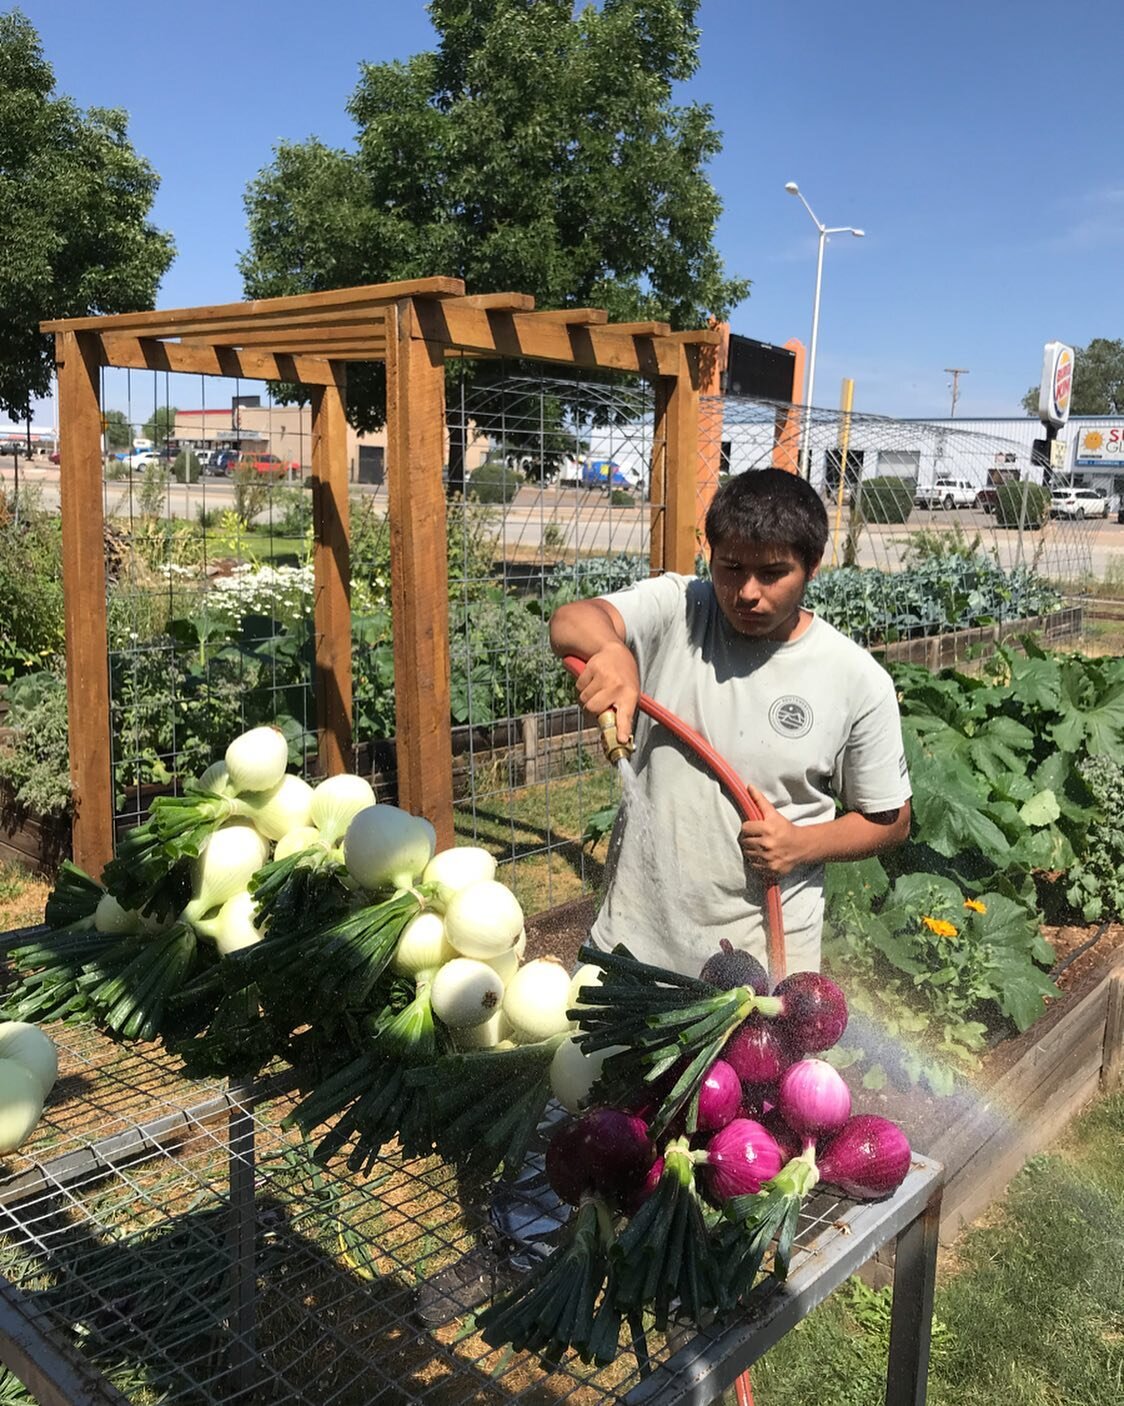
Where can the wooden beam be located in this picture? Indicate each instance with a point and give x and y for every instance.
(541, 339)
(144, 353)
(640, 329)
(505, 302)
(578, 317)
(168, 320)
(415, 418)
(282, 339)
(701, 336)
(331, 565)
(677, 425)
(371, 316)
(78, 358)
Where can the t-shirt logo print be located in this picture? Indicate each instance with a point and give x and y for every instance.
(791, 716)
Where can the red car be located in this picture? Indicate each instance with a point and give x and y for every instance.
(263, 464)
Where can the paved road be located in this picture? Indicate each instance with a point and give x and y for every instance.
(586, 522)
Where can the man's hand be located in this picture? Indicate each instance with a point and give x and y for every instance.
(611, 679)
(772, 846)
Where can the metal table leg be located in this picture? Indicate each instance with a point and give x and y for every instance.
(242, 1240)
(915, 1272)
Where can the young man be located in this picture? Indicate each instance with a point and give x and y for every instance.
(802, 713)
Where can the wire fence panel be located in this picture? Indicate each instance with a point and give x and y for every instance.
(209, 601)
(178, 1243)
(556, 507)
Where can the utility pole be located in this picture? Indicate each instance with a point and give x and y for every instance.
(956, 372)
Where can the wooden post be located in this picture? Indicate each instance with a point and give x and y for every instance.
(712, 363)
(1113, 1067)
(78, 356)
(332, 576)
(415, 415)
(677, 430)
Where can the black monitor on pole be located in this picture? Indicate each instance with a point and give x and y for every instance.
(758, 369)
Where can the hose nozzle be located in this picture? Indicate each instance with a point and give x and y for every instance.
(611, 744)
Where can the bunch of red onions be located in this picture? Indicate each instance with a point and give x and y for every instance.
(684, 1185)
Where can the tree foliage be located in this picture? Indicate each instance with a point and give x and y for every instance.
(161, 424)
(74, 204)
(118, 431)
(1098, 380)
(534, 150)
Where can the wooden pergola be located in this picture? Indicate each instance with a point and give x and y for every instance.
(308, 339)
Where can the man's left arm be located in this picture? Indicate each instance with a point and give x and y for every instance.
(775, 846)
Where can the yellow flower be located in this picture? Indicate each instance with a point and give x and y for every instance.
(975, 905)
(939, 927)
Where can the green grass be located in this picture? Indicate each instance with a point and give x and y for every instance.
(1031, 1312)
(535, 832)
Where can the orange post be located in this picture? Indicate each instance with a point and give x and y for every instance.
(786, 435)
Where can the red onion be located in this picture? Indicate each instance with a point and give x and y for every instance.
(632, 1202)
(813, 1099)
(789, 1142)
(813, 1012)
(720, 1097)
(867, 1158)
(740, 1158)
(604, 1150)
(757, 1052)
(730, 967)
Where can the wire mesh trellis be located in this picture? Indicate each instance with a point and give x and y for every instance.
(559, 509)
(174, 1243)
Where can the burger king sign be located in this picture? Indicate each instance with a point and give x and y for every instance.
(1056, 389)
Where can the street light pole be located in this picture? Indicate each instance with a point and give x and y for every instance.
(824, 232)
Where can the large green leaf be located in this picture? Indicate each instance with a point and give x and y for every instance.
(1036, 683)
(1041, 809)
(1093, 701)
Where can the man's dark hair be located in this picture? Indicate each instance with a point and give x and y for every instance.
(770, 505)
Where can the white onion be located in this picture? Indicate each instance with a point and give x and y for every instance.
(227, 859)
(27, 1045)
(536, 1000)
(216, 779)
(484, 919)
(336, 801)
(506, 964)
(232, 927)
(465, 993)
(284, 807)
(422, 946)
(586, 975)
(485, 1036)
(573, 1072)
(302, 838)
(111, 918)
(256, 761)
(21, 1104)
(387, 847)
(454, 869)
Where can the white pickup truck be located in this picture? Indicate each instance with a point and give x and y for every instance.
(947, 493)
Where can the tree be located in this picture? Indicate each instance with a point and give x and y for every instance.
(161, 424)
(535, 150)
(1098, 380)
(118, 431)
(74, 205)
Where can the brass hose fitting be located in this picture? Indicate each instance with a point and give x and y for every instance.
(611, 744)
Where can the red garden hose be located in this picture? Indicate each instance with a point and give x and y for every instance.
(747, 806)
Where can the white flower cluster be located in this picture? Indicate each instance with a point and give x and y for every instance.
(282, 591)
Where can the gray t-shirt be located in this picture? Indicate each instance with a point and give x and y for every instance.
(803, 720)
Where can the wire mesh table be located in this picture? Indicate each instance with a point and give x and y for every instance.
(167, 1241)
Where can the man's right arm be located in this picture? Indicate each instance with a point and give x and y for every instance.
(594, 631)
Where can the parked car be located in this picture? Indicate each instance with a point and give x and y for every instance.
(947, 493)
(223, 461)
(1077, 503)
(263, 463)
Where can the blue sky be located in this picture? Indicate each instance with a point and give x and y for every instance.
(975, 143)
